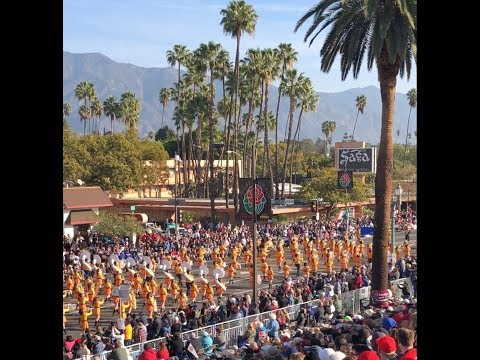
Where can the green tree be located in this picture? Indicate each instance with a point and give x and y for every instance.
(164, 133)
(75, 157)
(151, 150)
(412, 101)
(385, 30)
(323, 184)
(112, 224)
(360, 103)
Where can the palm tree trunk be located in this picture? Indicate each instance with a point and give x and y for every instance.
(277, 190)
(163, 111)
(387, 75)
(267, 147)
(290, 125)
(211, 121)
(111, 123)
(406, 138)
(184, 158)
(199, 157)
(354, 126)
(297, 133)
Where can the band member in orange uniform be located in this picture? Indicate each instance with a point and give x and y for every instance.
(193, 292)
(286, 269)
(270, 276)
(107, 289)
(162, 296)
(97, 303)
(83, 319)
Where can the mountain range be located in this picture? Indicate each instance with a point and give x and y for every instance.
(113, 78)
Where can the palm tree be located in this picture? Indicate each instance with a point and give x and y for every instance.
(67, 108)
(412, 101)
(111, 108)
(268, 72)
(176, 57)
(238, 18)
(164, 97)
(328, 127)
(385, 30)
(287, 56)
(130, 110)
(97, 111)
(85, 113)
(291, 86)
(83, 91)
(361, 102)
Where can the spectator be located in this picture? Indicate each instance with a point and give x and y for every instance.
(194, 342)
(368, 355)
(220, 341)
(273, 327)
(162, 352)
(406, 339)
(119, 353)
(148, 353)
(175, 345)
(207, 343)
(387, 347)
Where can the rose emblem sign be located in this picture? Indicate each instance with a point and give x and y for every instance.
(259, 201)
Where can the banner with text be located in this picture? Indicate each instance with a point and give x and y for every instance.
(262, 201)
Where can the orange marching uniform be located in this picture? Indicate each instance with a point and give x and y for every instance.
(83, 319)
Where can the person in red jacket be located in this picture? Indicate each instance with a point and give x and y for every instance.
(148, 353)
(162, 352)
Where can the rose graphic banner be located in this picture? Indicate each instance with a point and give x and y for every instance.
(262, 202)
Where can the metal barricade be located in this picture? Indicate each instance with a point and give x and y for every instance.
(351, 302)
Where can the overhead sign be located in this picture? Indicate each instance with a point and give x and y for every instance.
(357, 159)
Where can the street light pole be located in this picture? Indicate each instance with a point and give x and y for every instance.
(254, 222)
(252, 156)
(398, 193)
(175, 167)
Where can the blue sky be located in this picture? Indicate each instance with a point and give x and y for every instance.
(141, 31)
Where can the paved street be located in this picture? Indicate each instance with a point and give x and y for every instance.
(240, 286)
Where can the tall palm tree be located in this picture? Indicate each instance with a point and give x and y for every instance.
(308, 100)
(84, 91)
(67, 109)
(130, 109)
(164, 97)
(268, 72)
(237, 18)
(111, 108)
(97, 111)
(412, 101)
(328, 128)
(210, 53)
(287, 56)
(85, 113)
(386, 31)
(291, 86)
(180, 55)
(360, 103)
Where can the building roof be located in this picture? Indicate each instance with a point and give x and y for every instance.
(88, 197)
(77, 217)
